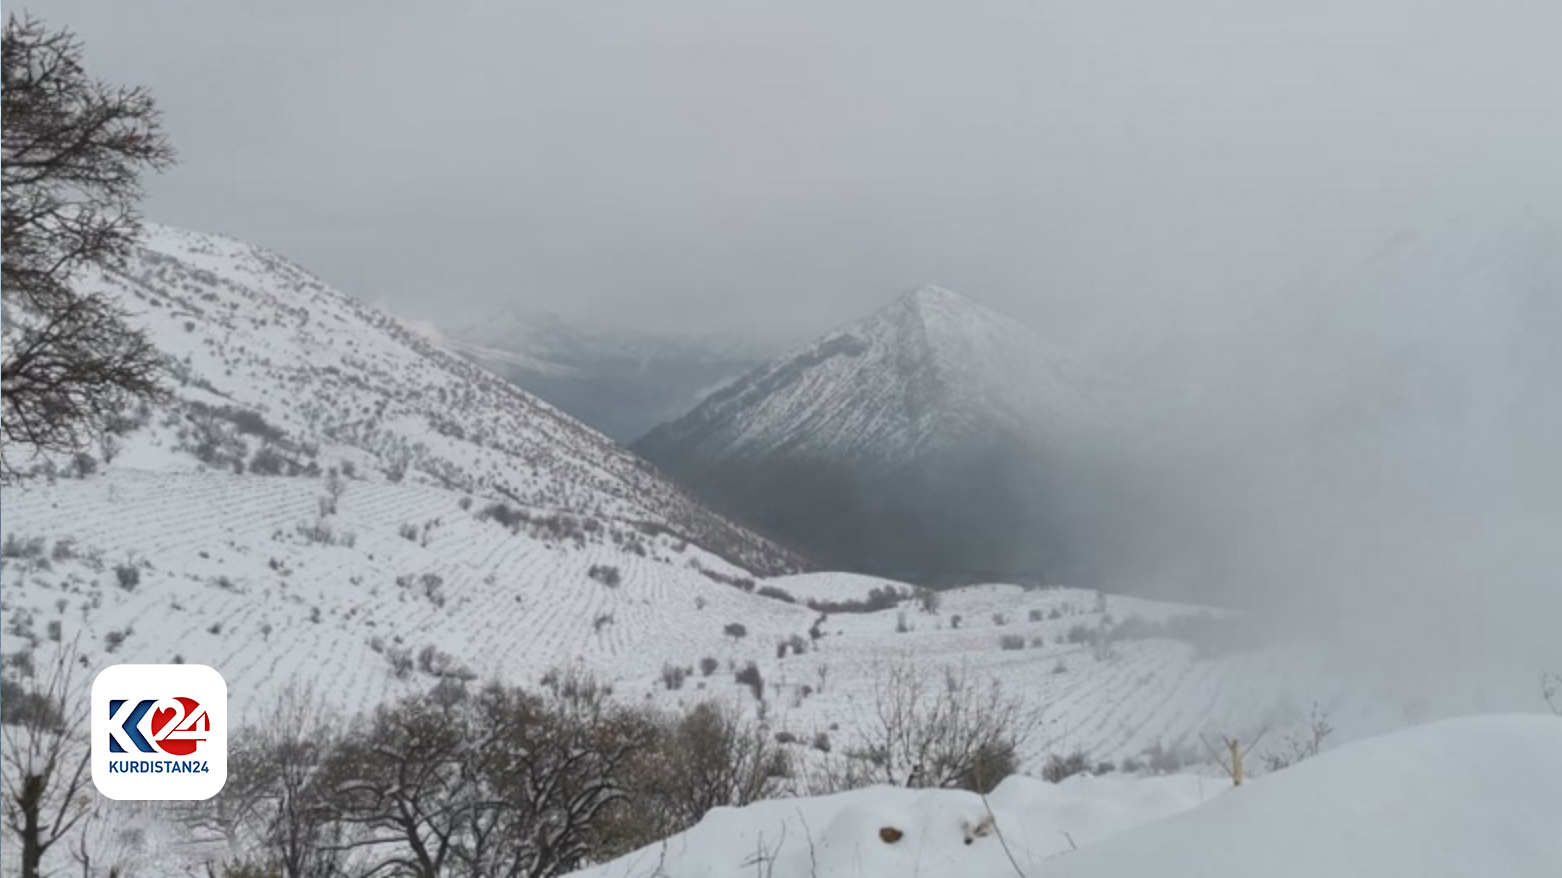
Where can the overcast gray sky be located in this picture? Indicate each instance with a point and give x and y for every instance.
(780, 167)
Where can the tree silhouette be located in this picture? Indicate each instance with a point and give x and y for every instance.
(72, 150)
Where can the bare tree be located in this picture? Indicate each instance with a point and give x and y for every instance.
(45, 759)
(934, 729)
(401, 783)
(72, 150)
(1551, 691)
(499, 783)
(274, 806)
(706, 758)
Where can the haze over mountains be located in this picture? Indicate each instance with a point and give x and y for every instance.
(621, 381)
(926, 440)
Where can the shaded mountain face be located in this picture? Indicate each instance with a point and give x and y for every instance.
(924, 441)
(619, 381)
(273, 372)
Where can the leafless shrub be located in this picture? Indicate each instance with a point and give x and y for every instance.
(931, 729)
(1060, 767)
(44, 760)
(1301, 745)
(706, 758)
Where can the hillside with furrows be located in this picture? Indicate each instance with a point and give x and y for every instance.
(275, 373)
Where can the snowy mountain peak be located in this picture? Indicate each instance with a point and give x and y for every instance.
(932, 389)
(933, 298)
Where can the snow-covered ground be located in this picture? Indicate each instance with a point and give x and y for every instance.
(1476, 796)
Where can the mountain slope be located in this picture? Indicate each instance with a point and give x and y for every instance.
(923, 441)
(272, 367)
(619, 381)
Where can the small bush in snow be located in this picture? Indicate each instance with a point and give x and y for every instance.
(400, 660)
(736, 631)
(128, 576)
(1302, 745)
(749, 676)
(267, 461)
(606, 574)
(708, 665)
(770, 591)
(437, 663)
(673, 676)
(1012, 641)
(16, 547)
(1059, 767)
(928, 600)
(880, 598)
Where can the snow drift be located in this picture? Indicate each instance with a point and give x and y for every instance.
(1471, 796)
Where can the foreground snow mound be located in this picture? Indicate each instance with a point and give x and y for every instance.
(1464, 797)
(847, 834)
(1472, 796)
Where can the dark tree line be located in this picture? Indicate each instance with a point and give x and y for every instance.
(495, 781)
(72, 150)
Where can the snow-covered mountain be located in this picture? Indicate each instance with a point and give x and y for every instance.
(620, 381)
(920, 441)
(275, 371)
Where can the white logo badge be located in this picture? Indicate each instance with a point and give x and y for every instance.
(159, 732)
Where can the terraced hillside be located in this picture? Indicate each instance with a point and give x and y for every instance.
(401, 586)
(276, 373)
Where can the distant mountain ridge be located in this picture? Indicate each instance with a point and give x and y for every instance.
(620, 381)
(918, 442)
